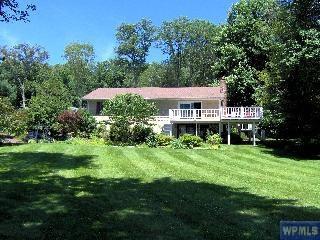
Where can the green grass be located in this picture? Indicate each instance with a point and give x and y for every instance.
(61, 191)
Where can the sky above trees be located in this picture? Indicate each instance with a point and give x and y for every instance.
(56, 23)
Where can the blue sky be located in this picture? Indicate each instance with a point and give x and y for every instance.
(57, 23)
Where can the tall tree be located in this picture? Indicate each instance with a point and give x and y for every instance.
(189, 45)
(134, 43)
(292, 84)
(80, 66)
(244, 48)
(113, 73)
(22, 65)
(10, 11)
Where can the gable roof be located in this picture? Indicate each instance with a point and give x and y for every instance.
(158, 93)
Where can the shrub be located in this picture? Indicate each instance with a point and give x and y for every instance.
(120, 132)
(159, 140)
(72, 123)
(190, 141)
(177, 144)
(151, 141)
(163, 139)
(101, 131)
(87, 123)
(214, 139)
(140, 133)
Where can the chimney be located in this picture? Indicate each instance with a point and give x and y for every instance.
(224, 91)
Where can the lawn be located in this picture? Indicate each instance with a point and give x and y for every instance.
(61, 191)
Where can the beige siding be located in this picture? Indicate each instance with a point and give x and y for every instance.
(165, 105)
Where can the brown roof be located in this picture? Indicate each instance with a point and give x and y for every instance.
(158, 93)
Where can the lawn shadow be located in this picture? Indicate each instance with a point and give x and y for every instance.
(43, 205)
(289, 150)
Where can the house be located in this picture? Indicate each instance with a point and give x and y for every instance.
(182, 110)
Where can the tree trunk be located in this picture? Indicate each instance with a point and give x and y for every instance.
(23, 95)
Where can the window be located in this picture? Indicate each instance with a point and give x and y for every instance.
(190, 105)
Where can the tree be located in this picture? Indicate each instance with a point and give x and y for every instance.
(6, 110)
(10, 11)
(113, 73)
(22, 66)
(154, 76)
(190, 46)
(51, 99)
(129, 108)
(80, 70)
(134, 43)
(244, 48)
(291, 92)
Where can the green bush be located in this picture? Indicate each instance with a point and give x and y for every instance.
(140, 133)
(190, 141)
(151, 141)
(159, 140)
(120, 133)
(163, 139)
(214, 139)
(177, 144)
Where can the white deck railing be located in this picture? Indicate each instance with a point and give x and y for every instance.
(226, 113)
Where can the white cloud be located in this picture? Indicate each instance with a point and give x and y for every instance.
(7, 39)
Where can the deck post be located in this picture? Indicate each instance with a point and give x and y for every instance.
(220, 128)
(196, 129)
(254, 133)
(229, 138)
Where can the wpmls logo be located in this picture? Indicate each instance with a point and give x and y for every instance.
(299, 230)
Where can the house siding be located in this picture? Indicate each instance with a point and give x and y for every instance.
(165, 105)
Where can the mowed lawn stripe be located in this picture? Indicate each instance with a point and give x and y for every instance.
(263, 183)
(248, 163)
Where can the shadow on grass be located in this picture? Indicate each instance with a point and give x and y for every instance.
(36, 203)
(291, 150)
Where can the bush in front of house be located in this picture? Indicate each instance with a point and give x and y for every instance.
(159, 140)
(214, 139)
(75, 123)
(120, 133)
(140, 133)
(177, 144)
(164, 140)
(190, 141)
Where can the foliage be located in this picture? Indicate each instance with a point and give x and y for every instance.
(10, 10)
(159, 140)
(189, 45)
(134, 43)
(178, 144)
(75, 123)
(52, 99)
(129, 108)
(120, 132)
(23, 66)
(6, 110)
(190, 141)
(80, 68)
(140, 133)
(113, 73)
(214, 139)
